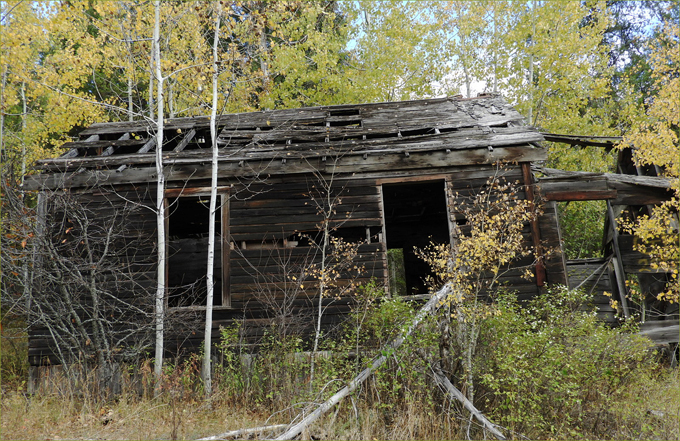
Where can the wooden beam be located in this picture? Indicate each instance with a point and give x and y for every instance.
(619, 272)
(557, 176)
(661, 331)
(225, 249)
(101, 144)
(193, 191)
(185, 141)
(73, 152)
(362, 157)
(145, 148)
(234, 166)
(535, 231)
(112, 148)
(607, 142)
(583, 195)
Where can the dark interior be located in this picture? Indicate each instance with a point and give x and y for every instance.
(415, 215)
(187, 252)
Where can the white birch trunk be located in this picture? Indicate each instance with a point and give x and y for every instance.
(531, 64)
(129, 93)
(322, 292)
(23, 135)
(152, 67)
(495, 49)
(210, 280)
(2, 114)
(160, 201)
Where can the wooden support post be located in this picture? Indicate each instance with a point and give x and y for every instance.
(535, 232)
(619, 271)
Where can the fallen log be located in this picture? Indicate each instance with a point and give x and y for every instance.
(241, 432)
(432, 305)
(455, 394)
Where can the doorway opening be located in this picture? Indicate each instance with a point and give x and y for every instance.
(415, 215)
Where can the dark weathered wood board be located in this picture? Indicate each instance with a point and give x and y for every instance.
(661, 331)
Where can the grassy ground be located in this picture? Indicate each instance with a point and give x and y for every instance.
(650, 411)
(544, 372)
(50, 417)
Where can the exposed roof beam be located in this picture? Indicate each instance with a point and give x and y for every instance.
(584, 141)
(74, 151)
(185, 141)
(112, 148)
(145, 149)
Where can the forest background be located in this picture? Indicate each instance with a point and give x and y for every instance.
(595, 68)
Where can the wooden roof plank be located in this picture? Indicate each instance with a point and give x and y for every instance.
(103, 144)
(396, 145)
(234, 167)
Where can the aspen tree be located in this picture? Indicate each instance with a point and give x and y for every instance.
(160, 200)
(206, 371)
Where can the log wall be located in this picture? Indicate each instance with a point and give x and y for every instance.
(270, 224)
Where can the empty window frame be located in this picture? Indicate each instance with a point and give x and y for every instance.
(187, 226)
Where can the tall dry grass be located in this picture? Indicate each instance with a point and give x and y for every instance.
(400, 402)
(649, 412)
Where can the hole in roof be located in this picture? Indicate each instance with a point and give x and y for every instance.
(111, 136)
(351, 123)
(381, 135)
(418, 132)
(126, 150)
(344, 112)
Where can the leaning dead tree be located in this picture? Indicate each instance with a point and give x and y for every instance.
(430, 307)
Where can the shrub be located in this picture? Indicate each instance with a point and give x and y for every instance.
(548, 365)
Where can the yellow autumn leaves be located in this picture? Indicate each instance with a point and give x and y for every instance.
(654, 140)
(488, 242)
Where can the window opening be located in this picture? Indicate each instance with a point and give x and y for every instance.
(187, 251)
(415, 215)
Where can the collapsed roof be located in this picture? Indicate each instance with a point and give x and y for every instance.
(352, 138)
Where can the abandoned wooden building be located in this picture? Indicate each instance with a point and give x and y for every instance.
(383, 175)
(630, 192)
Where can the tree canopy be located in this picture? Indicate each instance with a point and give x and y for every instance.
(590, 67)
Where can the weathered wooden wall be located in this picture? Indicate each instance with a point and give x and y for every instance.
(274, 167)
(96, 240)
(268, 221)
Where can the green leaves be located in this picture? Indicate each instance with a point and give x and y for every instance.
(566, 366)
